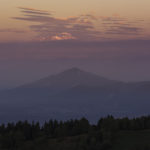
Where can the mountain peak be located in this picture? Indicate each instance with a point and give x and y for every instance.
(74, 70)
(71, 78)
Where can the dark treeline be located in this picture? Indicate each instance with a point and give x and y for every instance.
(25, 135)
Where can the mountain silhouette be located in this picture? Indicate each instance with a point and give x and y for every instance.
(70, 78)
(74, 93)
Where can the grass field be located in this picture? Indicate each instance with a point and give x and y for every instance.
(125, 140)
(131, 140)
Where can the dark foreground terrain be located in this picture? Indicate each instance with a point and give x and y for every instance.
(108, 134)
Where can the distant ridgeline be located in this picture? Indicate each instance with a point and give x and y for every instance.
(74, 93)
(108, 134)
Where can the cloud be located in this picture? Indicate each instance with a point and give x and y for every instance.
(34, 12)
(124, 30)
(82, 27)
(32, 9)
(49, 27)
(62, 36)
(117, 25)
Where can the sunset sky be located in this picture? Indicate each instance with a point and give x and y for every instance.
(42, 37)
(33, 20)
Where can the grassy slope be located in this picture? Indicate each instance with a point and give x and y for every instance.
(125, 140)
(68, 143)
(130, 140)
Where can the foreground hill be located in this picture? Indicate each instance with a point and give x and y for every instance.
(125, 140)
(108, 134)
(72, 94)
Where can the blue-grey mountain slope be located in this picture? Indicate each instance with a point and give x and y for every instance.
(72, 94)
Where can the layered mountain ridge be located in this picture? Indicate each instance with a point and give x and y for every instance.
(74, 93)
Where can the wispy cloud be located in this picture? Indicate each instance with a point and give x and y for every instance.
(117, 25)
(82, 27)
(32, 9)
(49, 27)
(124, 30)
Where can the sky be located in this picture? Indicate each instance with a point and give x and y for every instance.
(39, 20)
(42, 37)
